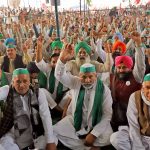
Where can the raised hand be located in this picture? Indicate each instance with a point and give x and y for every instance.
(67, 53)
(136, 38)
(39, 48)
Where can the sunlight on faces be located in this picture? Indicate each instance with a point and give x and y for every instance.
(146, 89)
(21, 83)
(87, 79)
(11, 53)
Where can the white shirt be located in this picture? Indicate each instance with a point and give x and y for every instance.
(43, 111)
(46, 69)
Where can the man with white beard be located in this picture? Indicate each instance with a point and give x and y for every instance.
(82, 53)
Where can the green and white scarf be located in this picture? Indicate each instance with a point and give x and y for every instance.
(97, 106)
(4, 80)
(52, 80)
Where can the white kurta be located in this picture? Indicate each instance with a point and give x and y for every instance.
(46, 69)
(131, 138)
(65, 130)
(45, 116)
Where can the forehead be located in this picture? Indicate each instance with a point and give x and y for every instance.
(55, 58)
(10, 49)
(21, 77)
(87, 74)
(82, 50)
(146, 83)
(56, 48)
(121, 65)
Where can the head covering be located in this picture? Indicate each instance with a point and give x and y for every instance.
(55, 44)
(10, 41)
(1, 35)
(87, 67)
(126, 60)
(119, 44)
(19, 71)
(119, 35)
(32, 68)
(82, 45)
(10, 46)
(147, 77)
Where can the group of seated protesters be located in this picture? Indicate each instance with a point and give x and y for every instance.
(85, 91)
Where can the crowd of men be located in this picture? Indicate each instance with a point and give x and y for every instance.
(88, 89)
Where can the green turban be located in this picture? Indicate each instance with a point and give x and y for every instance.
(87, 67)
(82, 45)
(10, 46)
(147, 77)
(19, 71)
(55, 44)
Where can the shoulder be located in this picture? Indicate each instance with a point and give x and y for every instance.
(71, 62)
(95, 62)
(4, 90)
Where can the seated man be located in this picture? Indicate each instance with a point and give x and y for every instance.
(137, 136)
(55, 88)
(38, 79)
(28, 112)
(88, 124)
(12, 60)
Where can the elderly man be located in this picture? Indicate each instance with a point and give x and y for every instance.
(82, 53)
(88, 124)
(137, 135)
(12, 60)
(126, 80)
(26, 110)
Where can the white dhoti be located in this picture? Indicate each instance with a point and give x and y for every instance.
(65, 132)
(121, 140)
(7, 142)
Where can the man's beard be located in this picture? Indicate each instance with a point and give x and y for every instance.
(123, 76)
(81, 61)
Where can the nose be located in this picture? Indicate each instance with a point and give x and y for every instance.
(87, 80)
(21, 84)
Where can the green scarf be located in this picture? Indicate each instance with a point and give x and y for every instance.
(59, 92)
(4, 80)
(42, 79)
(52, 81)
(97, 106)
